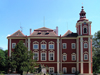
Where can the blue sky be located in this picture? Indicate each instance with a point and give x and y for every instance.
(30, 13)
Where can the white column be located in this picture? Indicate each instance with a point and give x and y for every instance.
(89, 28)
(77, 51)
(89, 41)
(9, 47)
(81, 39)
(58, 55)
(81, 28)
(28, 44)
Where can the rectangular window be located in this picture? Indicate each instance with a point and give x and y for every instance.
(64, 58)
(64, 70)
(73, 57)
(35, 46)
(51, 70)
(43, 46)
(13, 45)
(51, 46)
(43, 56)
(85, 45)
(85, 57)
(64, 45)
(51, 56)
(73, 45)
(36, 56)
(73, 69)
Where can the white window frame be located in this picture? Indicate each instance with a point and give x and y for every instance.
(53, 69)
(84, 56)
(73, 68)
(37, 56)
(84, 45)
(72, 57)
(72, 45)
(51, 44)
(35, 44)
(43, 44)
(65, 56)
(65, 70)
(65, 46)
(12, 45)
(49, 56)
(41, 56)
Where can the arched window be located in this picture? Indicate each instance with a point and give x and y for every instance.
(85, 30)
(85, 57)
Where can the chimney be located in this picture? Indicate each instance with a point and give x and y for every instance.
(57, 30)
(30, 31)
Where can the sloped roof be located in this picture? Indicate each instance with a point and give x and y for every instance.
(17, 33)
(43, 32)
(37, 33)
(43, 28)
(70, 34)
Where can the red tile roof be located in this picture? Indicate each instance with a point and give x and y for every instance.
(43, 28)
(43, 32)
(17, 33)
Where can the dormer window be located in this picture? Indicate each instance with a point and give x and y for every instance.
(85, 30)
(46, 33)
(39, 33)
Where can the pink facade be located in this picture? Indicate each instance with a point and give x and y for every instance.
(68, 54)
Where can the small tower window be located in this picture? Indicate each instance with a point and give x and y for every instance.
(84, 22)
(85, 30)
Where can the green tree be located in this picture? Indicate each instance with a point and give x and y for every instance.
(96, 52)
(21, 59)
(3, 60)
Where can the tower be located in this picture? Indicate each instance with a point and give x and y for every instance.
(84, 44)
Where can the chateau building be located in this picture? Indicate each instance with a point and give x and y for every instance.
(67, 54)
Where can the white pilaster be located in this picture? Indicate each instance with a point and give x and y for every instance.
(77, 51)
(28, 44)
(89, 41)
(81, 28)
(89, 28)
(58, 55)
(9, 47)
(81, 39)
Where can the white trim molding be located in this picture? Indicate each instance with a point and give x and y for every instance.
(28, 44)
(58, 55)
(81, 40)
(89, 40)
(10, 47)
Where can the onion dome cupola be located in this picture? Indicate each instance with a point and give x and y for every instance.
(83, 25)
(82, 13)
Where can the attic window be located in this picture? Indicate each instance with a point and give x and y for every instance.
(39, 33)
(46, 33)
